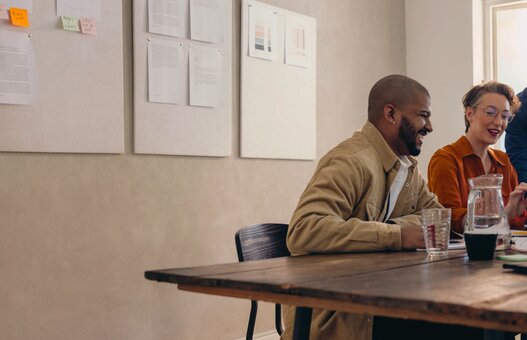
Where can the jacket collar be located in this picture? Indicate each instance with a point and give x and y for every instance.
(465, 149)
(388, 158)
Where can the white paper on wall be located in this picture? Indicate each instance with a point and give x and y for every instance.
(297, 41)
(166, 72)
(79, 8)
(207, 20)
(17, 68)
(205, 75)
(263, 30)
(168, 17)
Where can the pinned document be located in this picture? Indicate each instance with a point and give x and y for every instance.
(207, 20)
(79, 8)
(17, 71)
(166, 72)
(205, 75)
(168, 17)
(297, 41)
(263, 28)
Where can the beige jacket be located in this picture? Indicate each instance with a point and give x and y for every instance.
(341, 210)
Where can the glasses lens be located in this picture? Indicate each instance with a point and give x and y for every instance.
(491, 111)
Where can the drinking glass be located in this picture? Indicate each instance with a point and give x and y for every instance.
(436, 230)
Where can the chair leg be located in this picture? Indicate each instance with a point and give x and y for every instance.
(252, 320)
(278, 318)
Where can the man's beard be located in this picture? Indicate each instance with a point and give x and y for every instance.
(409, 136)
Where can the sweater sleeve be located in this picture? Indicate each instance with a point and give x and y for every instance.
(443, 180)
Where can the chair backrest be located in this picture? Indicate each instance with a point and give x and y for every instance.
(261, 241)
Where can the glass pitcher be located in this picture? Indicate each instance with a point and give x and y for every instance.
(485, 209)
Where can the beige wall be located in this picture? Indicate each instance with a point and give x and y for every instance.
(78, 231)
(443, 52)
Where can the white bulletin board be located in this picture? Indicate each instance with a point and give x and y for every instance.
(78, 106)
(180, 129)
(278, 97)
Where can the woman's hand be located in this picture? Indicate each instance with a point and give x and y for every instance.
(517, 201)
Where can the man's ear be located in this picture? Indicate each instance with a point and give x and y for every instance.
(389, 113)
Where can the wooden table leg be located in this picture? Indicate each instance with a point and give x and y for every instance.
(302, 323)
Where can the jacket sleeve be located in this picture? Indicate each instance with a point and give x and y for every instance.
(323, 221)
(443, 180)
(515, 140)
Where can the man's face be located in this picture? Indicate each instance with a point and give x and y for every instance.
(415, 124)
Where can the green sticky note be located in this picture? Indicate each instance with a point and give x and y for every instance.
(70, 23)
(512, 258)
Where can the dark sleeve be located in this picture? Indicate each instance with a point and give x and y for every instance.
(516, 142)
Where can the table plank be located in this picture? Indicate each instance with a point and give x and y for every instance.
(475, 292)
(490, 322)
(282, 274)
(412, 285)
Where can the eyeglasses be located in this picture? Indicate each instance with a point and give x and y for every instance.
(492, 112)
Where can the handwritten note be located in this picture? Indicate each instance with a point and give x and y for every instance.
(70, 23)
(88, 26)
(19, 17)
(3, 12)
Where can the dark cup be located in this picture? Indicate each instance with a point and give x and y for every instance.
(480, 246)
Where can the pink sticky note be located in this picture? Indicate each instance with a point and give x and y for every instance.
(3, 13)
(88, 26)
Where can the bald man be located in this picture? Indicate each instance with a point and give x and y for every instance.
(366, 195)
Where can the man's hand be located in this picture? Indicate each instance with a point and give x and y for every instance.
(412, 237)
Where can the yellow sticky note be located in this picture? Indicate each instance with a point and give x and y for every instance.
(19, 17)
(88, 26)
(70, 23)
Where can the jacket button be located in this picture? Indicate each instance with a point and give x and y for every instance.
(407, 185)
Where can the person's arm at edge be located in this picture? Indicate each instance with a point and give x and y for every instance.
(517, 222)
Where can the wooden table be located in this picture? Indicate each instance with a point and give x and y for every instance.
(410, 285)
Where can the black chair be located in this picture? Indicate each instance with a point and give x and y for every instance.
(257, 242)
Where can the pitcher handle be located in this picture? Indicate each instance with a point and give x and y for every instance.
(471, 207)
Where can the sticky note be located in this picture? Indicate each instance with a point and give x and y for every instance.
(19, 17)
(70, 23)
(3, 12)
(88, 26)
(513, 257)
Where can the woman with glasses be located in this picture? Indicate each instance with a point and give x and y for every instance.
(489, 108)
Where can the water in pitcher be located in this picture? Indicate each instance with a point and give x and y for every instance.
(486, 211)
(494, 225)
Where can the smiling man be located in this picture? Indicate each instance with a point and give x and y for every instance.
(367, 194)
